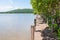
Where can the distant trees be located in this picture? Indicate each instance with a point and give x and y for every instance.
(21, 11)
(51, 10)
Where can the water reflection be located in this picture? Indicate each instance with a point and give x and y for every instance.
(15, 26)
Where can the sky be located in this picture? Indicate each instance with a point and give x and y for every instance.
(6, 5)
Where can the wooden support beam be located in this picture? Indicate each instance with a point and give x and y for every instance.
(32, 32)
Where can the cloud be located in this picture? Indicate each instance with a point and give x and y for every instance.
(5, 8)
(7, 5)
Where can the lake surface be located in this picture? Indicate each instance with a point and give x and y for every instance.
(16, 26)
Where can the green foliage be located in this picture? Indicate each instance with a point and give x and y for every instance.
(58, 34)
(44, 6)
(50, 9)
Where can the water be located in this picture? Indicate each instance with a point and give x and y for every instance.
(15, 26)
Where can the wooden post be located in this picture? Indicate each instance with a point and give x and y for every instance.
(32, 32)
(34, 22)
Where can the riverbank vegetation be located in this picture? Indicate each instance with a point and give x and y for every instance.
(19, 11)
(50, 9)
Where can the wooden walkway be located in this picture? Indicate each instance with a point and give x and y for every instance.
(36, 29)
(41, 31)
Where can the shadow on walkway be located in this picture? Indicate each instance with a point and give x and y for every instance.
(48, 35)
